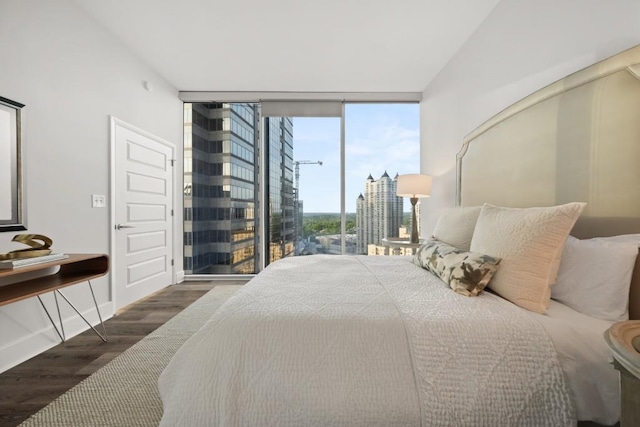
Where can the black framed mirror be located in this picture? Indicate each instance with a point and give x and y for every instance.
(12, 200)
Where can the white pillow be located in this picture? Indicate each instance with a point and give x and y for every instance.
(595, 275)
(633, 239)
(530, 243)
(455, 226)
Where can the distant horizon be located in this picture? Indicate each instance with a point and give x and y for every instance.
(337, 213)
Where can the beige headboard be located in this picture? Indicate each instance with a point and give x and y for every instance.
(577, 139)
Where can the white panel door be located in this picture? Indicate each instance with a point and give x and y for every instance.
(143, 215)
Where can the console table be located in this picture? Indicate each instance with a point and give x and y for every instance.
(77, 268)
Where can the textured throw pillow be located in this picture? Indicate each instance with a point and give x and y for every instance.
(467, 273)
(530, 243)
(455, 226)
(595, 275)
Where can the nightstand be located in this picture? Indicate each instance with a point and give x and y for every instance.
(624, 341)
(399, 246)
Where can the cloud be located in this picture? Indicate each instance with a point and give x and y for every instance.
(379, 138)
(386, 146)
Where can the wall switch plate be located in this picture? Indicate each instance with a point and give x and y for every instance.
(98, 201)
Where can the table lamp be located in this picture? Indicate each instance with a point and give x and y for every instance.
(414, 186)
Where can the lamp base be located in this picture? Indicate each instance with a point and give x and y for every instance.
(414, 223)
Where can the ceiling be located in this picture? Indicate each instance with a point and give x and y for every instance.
(293, 45)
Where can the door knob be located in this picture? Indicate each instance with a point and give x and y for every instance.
(121, 226)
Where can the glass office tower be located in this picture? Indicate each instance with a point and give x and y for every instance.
(221, 193)
(281, 228)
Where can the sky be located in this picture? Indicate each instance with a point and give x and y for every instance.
(378, 138)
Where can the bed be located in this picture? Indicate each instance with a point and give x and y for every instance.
(382, 341)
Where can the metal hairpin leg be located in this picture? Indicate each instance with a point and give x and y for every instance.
(51, 319)
(104, 330)
(62, 335)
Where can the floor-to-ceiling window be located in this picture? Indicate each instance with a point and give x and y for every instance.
(314, 156)
(221, 143)
(382, 141)
(263, 182)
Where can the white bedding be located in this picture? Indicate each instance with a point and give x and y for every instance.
(584, 357)
(365, 341)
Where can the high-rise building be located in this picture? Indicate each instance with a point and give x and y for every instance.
(221, 175)
(282, 218)
(378, 212)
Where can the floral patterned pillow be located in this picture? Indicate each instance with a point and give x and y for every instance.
(467, 273)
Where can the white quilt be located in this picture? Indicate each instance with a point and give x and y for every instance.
(364, 341)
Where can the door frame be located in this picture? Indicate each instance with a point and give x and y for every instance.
(175, 253)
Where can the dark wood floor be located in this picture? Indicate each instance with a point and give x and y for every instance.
(28, 387)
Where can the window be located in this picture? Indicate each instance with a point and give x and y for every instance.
(260, 187)
(220, 179)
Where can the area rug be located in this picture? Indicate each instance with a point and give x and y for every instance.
(125, 391)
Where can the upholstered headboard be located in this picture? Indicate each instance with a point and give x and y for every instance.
(577, 139)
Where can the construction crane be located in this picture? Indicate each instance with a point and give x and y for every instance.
(304, 162)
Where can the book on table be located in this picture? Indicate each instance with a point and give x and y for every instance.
(23, 262)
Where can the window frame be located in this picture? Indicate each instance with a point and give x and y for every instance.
(298, 104)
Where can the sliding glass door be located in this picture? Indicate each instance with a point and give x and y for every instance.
(302, 165)
(302, 186)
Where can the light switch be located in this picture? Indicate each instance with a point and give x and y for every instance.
(98, 201)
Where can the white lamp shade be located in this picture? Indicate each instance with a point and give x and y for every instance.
(414, 185)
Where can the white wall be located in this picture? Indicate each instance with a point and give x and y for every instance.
(521, 47)
(72, 75)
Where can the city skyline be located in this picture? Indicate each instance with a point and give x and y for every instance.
(378, 138)
(223, 176)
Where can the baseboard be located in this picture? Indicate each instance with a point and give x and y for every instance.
(215, 277)
(25, 348)
(180, 276)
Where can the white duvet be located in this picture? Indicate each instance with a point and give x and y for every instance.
(585, 359)
(364, 341)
